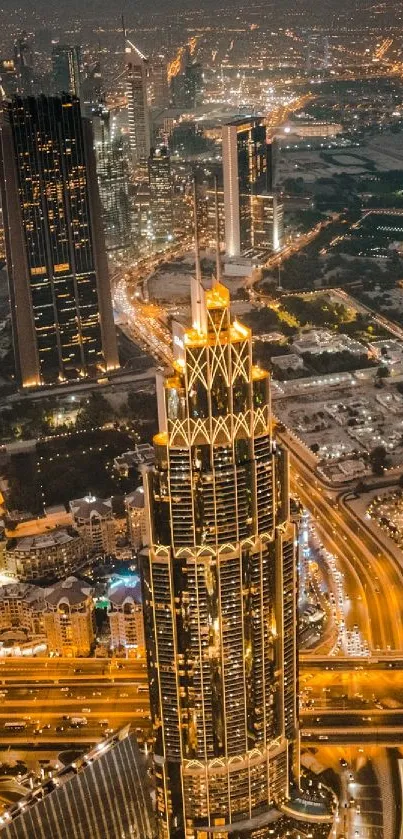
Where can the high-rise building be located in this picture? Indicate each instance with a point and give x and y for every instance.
(94, 520)
(125, 615)
(58, 275)
(220, 590)
(104, 793)
(66, 68)
(159, 82)
(23, 60)
(69, 619)
(113, 181)
(137, 70)
(160, 180)
(250, 200)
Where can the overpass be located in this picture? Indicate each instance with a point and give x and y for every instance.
(309, 662)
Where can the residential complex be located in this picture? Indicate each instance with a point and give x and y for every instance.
(49, 555)
(93, 518)
(125, 614)
(69, 619)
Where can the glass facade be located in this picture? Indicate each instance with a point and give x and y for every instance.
(103, 794)
(253, 210)
(160, 180)
(50, 221)
(220, 588)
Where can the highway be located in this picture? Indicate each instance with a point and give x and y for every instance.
(46, 694)
(372, 576)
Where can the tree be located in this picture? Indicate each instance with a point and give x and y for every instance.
(378, 460)
(95, 413)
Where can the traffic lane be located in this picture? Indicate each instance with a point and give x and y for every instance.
(380, 628)
(358, 612)
(390, 574)
(351, 718)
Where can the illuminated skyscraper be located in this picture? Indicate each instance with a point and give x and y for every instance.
(160, 180)
(58, 276)
(66, 63)
(137, 70)
(220, 589)
(113, 181)
(253, 210)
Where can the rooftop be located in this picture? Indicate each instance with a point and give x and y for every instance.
(46, 541)
(85, 508)
(72, 590)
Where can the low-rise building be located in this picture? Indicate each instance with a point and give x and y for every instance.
(136, 520)
(318, 341)
(93, 518)
(52, 554)
(125, 612)
(69, 618)
(141, 455)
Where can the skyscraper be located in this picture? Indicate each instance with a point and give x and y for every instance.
(220, 589)
(113, 181)
(103, 794)
(58, 277)
(137, 102)
(66, 64)
(160, 180)
(253, 211)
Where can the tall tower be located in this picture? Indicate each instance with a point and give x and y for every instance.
(160, 180)
(137, 102)
(66, 65)
(113, 181)
(220, 588)
(246, 173)
(58, 276)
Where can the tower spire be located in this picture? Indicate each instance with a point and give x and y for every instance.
(217, 234)
(196, 233)
(197, 297)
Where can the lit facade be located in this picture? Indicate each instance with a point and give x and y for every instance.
(125, 615)
(69, 620)
(135, 516)
(58, 276)
(51, 554)
(253, 211)
(220, 589)
(160, 180)
(21, 608)
(113, 182)
(137, 71)
(94, 520)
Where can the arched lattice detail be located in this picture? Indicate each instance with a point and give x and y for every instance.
(196, 367)
(240, 361)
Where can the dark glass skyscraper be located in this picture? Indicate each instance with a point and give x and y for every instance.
(58, 276)
(66, 65)
(253, 212)
(113, 181)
